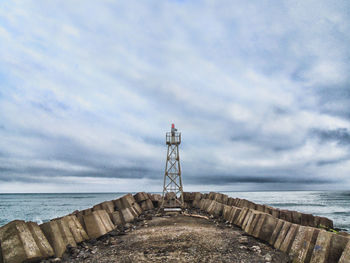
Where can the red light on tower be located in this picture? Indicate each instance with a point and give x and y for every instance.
(173, 126)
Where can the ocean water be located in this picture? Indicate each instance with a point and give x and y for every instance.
(43, 207)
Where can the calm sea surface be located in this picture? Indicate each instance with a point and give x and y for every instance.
(43, 207)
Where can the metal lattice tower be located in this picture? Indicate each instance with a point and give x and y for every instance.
(172, 188)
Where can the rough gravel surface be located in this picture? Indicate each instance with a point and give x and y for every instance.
(176, 238)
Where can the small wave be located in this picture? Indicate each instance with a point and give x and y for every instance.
(82, 197)
(297, 204)
(341, 213)
(38, 220)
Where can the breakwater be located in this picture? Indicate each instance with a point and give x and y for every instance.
(303, 236)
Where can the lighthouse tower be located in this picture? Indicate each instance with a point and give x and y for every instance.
(172, 199)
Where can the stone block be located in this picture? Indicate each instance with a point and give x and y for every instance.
(259, 207)
(322, 247)
(216, 209)
(289, 239)
(40, 239)
(283, 233)
(275, 213)
(259, 224)
(127, 215)
(242, 216)
(250, 216)
(141, 196)
(204, 203)
(108, 206)
(146, 205)
(197, 196)
(345, 257)
(226, 212)
(338, 245)
(126, 201)
(117, 218)
(19, 245)
(296, 217)
(98, 223)
(210, 205)
(251, 225)
(76, 228)
(307, 220)
(324, 221)
(235, 202)
(196, 203)
(217, 197)
(52, 231)
(267, 228)
(230, 201)
(250, 222)
(201, 204)
(303, 244)
(137, 208)
(224, 199)
(251, 205)
(234, 214)
(156, 199)
(188, 196)
(286, 215)
(276, 231)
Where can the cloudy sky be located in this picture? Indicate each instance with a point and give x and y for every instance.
(259, 89)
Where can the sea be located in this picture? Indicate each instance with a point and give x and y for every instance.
(43, 207)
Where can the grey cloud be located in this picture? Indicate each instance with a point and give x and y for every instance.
(341, 135)
(263, 179)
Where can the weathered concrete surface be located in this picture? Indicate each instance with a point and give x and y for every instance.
(117, 218)
(322, 247)
(276, 232)
(141, 196)
(338, 244)
(146, 205)
(126, 201)
(250, 216)
(303, 244)
(216, 209)
(288, 240)
(226, 212)
(54, 236)
(345, 257)
(234, 214)
(79, 234)
(307, 220)
(107, 205)
(282, 234)
(253, 222)
(267, 228)
(18, 244)
(43, 244)
(98, 223)
(242, 216)
(127, 215)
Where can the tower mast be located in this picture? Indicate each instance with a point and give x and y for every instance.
(172, 198)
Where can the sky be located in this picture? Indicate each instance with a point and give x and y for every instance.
(260, 91)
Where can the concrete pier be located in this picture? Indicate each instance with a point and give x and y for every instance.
(302, 236)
